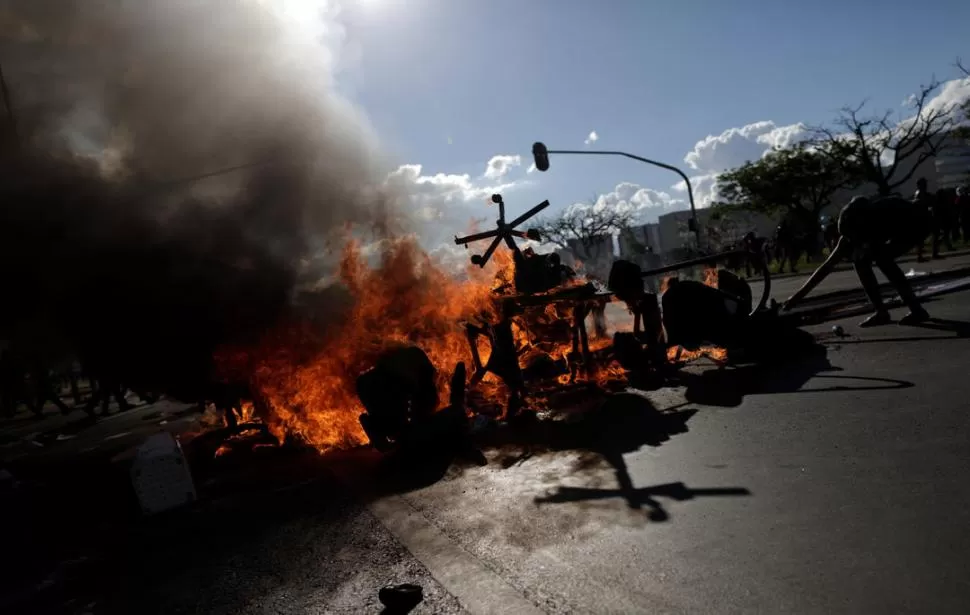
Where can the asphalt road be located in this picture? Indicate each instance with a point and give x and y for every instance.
(855, 466)
(783, 288)
(829, 483)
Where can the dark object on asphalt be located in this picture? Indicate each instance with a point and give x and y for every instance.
(401, 598)
(695, 314)
(399, 390)
(401, 399)
(877, 231)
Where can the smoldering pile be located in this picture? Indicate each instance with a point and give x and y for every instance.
(101, 252)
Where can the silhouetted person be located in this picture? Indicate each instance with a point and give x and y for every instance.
(107, 387)
(44, 390)
(928, 211)
(963, 211)
(786, 247)
(831, 234)
(876, 231)
(758, 249)
(944, 211)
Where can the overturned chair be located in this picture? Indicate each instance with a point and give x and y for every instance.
(692, 314)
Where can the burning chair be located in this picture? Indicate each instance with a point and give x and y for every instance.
(541, 281)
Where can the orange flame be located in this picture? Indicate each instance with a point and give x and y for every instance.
(710, 277)
(681, 354)
(306, 376)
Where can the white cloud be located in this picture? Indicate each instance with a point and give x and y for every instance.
(704, 187)
(646, 203)
(716, 154)
(532, 168)
(592, 138)
(951, 95)
(443, 204)
(499, 166)
(735, 146)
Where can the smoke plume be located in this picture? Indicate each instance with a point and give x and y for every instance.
(105, 249)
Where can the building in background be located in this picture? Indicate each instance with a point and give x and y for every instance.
(674, 235)
(952, 164)
(641, 239)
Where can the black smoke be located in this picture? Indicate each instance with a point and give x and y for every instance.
(108, 247)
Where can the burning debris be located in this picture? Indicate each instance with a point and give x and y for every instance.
(380, 371)
(195, 288)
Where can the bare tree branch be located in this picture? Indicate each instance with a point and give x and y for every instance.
(863, 141)
(962, 67)
(590, 225)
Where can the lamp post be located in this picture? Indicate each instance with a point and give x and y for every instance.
(541, 157)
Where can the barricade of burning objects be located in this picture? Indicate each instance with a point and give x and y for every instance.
(537, 355)
(526, 367)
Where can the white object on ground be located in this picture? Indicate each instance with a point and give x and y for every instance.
(912, 273)
(160, 475)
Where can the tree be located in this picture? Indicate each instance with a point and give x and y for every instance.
(798, 180)
(586, 230)
(963, 130)
(864, 141)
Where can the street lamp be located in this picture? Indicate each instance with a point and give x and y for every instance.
(541, 157)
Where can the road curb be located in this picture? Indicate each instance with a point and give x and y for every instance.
(479, 589)
(464, 576)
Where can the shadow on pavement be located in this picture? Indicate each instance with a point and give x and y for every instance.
(959, 328)
(636, 498)
(728, 386)
(622, 423)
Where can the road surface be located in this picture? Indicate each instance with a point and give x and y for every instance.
(829, 484)
(784, 287)
(858, 494)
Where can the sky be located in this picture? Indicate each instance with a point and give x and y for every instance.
(458, 90)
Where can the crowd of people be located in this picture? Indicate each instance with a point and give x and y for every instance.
(797, 237)
(32, 382)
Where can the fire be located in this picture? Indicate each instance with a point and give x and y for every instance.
(710, 277)
(305, 374)
(678, 354)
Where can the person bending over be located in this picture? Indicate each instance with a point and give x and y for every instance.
(876, 231)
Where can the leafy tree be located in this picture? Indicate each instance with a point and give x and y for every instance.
(862, 142)
(796, 180)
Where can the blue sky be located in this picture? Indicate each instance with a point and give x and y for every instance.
(450, 83)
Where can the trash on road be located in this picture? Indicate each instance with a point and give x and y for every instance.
(401, 598)
(160, 475)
